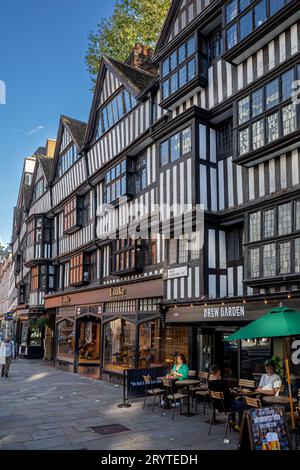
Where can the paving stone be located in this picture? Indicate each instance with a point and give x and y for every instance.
(17, 438)
(45, 443)
(47, 433)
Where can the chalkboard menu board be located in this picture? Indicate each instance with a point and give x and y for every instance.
(264, 429)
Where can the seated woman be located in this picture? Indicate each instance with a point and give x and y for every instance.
(180, 369)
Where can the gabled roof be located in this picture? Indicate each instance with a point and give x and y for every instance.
(76, 129)
(46, 163)
(132, 78)
(168, 24)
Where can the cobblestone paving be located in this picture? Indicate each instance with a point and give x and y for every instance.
(45, 408)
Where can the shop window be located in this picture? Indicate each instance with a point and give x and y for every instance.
(284, 219)
(24, 333)
(253, 355)
(177, 146)
(89, 342)
(66, 340)
(149, 344)
(119, 344)
(175, 341)
(254, 226)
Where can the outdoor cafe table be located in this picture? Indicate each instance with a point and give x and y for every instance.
(278, 400)
(187, 383)
(243, 392)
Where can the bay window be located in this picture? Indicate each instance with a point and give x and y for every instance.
(258, 134)
(175, 147)
(254, 262)
(285, 257)
(284, 219)
(244, 16)
(297, 254)
(297, 215)
(179, 68)
(254, 226)
(260, 13)
(114, 111)
(39, 237)
(244, 141)
(269, 223)
(272, 93)
(269, 260)
(289, 119)
(273, 127)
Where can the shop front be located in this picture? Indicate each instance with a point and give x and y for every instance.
(208, 326)
(29, 339)
(102, 339)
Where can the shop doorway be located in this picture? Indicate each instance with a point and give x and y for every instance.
(88, 346)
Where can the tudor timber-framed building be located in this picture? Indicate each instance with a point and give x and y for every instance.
(208, 119)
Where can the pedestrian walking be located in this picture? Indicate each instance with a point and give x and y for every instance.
(7, 353)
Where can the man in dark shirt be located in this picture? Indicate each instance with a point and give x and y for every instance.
(217, 384)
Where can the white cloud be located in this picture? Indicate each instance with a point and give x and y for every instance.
(36, 129)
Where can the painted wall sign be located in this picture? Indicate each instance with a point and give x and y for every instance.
(221, 312)
(117, 291)
(176, 272)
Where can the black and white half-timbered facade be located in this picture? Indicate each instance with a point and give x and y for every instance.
(174, 212)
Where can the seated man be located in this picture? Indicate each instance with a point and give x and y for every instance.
(270, 383)
(216, 384)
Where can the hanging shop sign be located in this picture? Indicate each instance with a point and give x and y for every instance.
(175, 272)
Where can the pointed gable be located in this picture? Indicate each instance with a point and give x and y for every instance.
(180, 15)
(70, 138)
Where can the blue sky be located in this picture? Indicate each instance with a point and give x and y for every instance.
(42, 49)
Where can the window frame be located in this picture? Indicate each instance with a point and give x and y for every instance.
(168, 140)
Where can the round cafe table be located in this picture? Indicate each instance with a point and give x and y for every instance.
(280, 400)
(187, 383)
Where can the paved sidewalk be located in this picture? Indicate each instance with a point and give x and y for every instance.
(45, 408)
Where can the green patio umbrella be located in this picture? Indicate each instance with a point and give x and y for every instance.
(277, 323)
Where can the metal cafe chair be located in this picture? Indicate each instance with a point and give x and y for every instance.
(217, 399)
(151, 391)
(171, 397)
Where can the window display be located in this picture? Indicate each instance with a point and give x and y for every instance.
(66, 340)
(149, 344)
(119, 344)
(89, 342)
(253, 355)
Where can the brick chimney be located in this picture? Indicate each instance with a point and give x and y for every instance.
(141, 57)
(50, 147)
